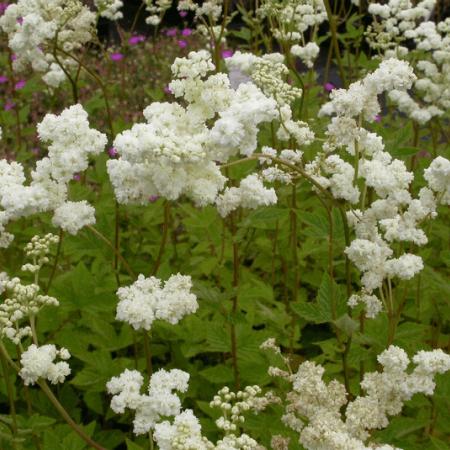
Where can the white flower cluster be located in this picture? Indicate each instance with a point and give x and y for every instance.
(211, 9)
(251, 194)
(267, 72)
(71, 142)
(307, 53)
(35, 28)
(110, 9)
(157, 9)
(293, 18)
(38, 362)
(149, 408)
(360, 99)
(147, 300)
(394, 19)
(24, 301)
(176, 152)
(400, 21)
(385, 393)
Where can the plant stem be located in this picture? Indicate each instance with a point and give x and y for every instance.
(165, 233)
(65, 415)
(9, 390)
(294, 245)
(47, 391)
(106, 240)
(335, 42)
(148, 353)
(116, 241)
(234, 302)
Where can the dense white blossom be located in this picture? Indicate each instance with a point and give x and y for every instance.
(161, 401)
(321, 404)
(72, 216)
(36, 29)
(110, 9)
(148, 299)
(38, 362)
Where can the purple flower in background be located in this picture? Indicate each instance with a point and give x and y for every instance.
(136, 39)
(36, 151)
(13, 57)
(20, 85)
(8, 105)
(77, 177)
(182, 44)
(183, 13)
(116, 56)
(19, 20)
(171, 32)
(329, 87)
(3, 7)
(112, 152)
(186, 32)
(167, 90)
(227, 54)
(3, 79)
(153, 198)
(377, 118)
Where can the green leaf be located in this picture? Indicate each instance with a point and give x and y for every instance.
(132, 446)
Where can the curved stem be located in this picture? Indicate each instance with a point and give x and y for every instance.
(99, 82)
(106, 240)
(47, 391)
(148, 353)
(65, 415)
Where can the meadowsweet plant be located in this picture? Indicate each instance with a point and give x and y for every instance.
(224, 225)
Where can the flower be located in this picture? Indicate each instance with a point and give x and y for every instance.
(116, 56)
(186, 32)
(112, 152)
(227, 53)
(171, 32)
(3, 79)
(329, 86)
(8, 105)
(183, 13)
(20, 85)
(133, 40)
(148, 299)
(182, 43)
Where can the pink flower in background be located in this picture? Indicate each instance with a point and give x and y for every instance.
(19, 20)
(227, 54)
(424, 154)
(153, 198)
(183, 13)
(36, 151)
(329, 87)
(186, 32)
(182, 44)
(13, 57)
(116, 56)
(136, 39)
(171, 32)
(112, 152)
(167, 90)
(3, 7)
(3, 79)
(8, 105)
(77, 177)
(20, 85)
(377, 118)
